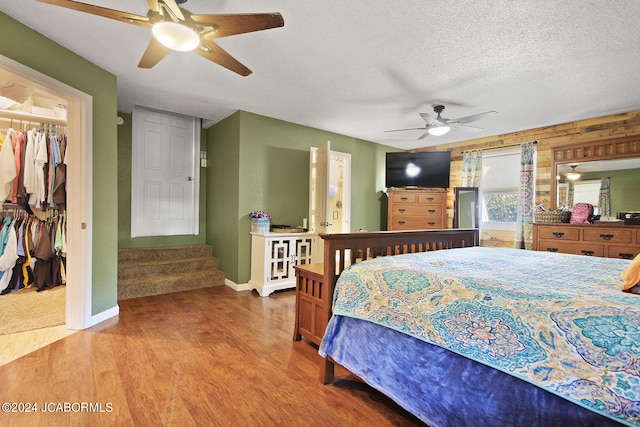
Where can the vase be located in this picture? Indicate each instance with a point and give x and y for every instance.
(260, 225)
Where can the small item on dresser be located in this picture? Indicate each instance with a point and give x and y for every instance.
(581, 213)
(547, 216)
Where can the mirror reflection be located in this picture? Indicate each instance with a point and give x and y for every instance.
(611, 186)
(465, 214)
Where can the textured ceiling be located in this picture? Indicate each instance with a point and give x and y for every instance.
(360, 67)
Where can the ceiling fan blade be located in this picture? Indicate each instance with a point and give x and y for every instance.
(153, 54)
(129, 18)
(469, 129)
(218, 55)
(402, 130)
(231, 24)
(473, 118)
(426, 134)
(153, 5)
(173, 7)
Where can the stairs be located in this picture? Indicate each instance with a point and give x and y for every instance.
(162, 270)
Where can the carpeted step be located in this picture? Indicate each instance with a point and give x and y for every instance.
(142, 268)
(164, 253)
(155, 271)
(148, 286)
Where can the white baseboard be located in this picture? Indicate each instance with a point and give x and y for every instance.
(237, 287)
(105, 315)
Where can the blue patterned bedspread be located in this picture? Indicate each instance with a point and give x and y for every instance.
(558, 321)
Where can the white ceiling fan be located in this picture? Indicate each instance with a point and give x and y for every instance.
(438, 126)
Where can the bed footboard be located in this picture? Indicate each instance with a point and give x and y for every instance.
(342, 250)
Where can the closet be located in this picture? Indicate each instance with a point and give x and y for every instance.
(33, 147)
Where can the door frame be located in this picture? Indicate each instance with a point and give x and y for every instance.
(79, 192)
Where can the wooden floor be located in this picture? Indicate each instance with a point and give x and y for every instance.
(211, 356)
(13, 346)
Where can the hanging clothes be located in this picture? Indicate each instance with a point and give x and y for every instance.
(7, 165)
(33, 239)
(10, 252)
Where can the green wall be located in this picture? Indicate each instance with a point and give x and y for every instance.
(259, 163)
(35, 51)
(125, 138)
(624, 186)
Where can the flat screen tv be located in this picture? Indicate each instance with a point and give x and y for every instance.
(425, 169)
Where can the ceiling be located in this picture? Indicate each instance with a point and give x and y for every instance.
(362, 67)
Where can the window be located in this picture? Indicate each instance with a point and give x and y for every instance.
(499, 190)
(586, 191)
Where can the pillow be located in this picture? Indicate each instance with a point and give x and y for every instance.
(631, 275)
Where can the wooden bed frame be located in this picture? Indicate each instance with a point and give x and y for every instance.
(342, 250)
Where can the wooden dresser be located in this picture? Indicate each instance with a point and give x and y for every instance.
(611, 240)
(417, 209)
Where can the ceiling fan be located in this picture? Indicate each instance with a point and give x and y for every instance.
(175, 28)
(438, 126)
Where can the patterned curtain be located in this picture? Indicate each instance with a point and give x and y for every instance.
(526, 197)
(570, 196)
(604, 201)
(471, 168)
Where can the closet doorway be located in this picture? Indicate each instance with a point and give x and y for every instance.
(78, 158)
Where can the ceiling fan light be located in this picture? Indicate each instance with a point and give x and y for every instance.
(175, 36)
(439, 130)
(573, 175)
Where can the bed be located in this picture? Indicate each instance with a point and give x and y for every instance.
(486, 336)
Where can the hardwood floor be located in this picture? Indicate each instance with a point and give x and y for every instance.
(17, 345)
(210, 357)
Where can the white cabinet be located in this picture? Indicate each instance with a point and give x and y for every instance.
(273, 256)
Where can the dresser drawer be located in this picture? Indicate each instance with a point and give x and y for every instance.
(624, 252)
(416, 223)
(404, 197)
(431, 198)
(416, 210)
(571, 248)
(559, 233)
(610, 235)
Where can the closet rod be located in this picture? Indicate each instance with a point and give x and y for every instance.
(27, 117)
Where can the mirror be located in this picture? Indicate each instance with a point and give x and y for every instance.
(465, 213)
(623, 174)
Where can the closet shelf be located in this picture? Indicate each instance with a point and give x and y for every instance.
(20, 115)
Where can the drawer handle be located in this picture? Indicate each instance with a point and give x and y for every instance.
(404, 199)
(432, 211)
(401, 222)
(401, 210)
(607, 236)
(558, 233)
(552, 249)
(431, 223)
(587, 252)
(625, 256)
(430, 199)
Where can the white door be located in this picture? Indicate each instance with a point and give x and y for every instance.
(339, 192)
(164, 174)
(329, 190)
(318, 186)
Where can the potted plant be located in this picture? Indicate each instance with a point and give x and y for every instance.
(260, 221)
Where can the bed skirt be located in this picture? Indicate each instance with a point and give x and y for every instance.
(443, 388)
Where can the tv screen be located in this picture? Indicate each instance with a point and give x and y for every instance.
(421, 169)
